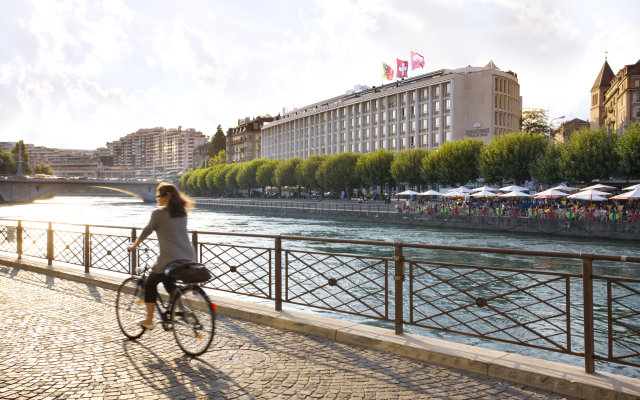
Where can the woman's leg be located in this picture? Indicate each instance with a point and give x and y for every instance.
(151, 295)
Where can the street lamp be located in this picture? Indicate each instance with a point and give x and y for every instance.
(551, 126)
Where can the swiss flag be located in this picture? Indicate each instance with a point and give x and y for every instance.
(403, 68)
(417, 61)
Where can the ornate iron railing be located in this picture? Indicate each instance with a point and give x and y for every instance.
(581, 314)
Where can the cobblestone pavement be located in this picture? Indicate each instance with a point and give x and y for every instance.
(60, 339)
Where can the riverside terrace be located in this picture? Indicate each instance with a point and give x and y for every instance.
(553, 218)
(579, 313)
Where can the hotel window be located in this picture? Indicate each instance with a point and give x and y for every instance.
(375, 132)
(403, 128)
(404, 97)
(447, 105)
(365, 120)
(365, 147)
(447, 136)
(403, 143)
(393, 115)
(412, 96)
(412, 141)
(637, 100)
(425, 94)
(424, 125)
(393, 129)
(393, 143)
(365, 133)
(412, 111)
(375, 118)
(436, 123)
(425, 140)
(425, 109)
(375, 144)
(413, 126)
(447, 121)
(402, 113)
(383, 117)
(436, 107)
(637, 112)
(447, 88)
(436, 91)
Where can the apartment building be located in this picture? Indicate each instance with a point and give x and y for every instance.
(243, 141)
(423, 111)
(615, 99)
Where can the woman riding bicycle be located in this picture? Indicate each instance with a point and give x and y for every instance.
(169, 221)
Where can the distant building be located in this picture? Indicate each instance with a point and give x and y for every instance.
(243, 141)
(63, 162)
(424, 111)
(566, 129)
(615, 99)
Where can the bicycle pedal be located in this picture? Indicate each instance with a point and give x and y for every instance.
(167, 326)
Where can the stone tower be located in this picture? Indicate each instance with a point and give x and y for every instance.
(600, 87)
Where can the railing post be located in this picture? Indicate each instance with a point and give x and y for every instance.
(50, 244)
(278, 261)
(133, 259)
(587, 295)
(87, 249)
(19, 240)
(194, 240)
(398, 276)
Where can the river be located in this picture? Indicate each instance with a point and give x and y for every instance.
(129, 212)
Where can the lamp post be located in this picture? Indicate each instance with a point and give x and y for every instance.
(551, 126)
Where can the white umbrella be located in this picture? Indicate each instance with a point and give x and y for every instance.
(565, 188)
(484, 193)
(512, 188)
(550, 193)
(578, 196)
(461, 189)
(634, 194)
(590, 192)
(453, 193)
(599, 186)
(634, 187)
(407, 193)
(430, 193)
(482, 188)
(515, 193)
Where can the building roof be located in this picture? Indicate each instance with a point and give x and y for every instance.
(604, 77)
(576, 121)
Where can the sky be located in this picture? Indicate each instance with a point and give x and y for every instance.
(80, 73)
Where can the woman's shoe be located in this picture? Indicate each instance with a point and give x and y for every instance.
(148, 327)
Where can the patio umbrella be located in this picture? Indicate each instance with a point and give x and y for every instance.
(482, 188)
(550, 194)
(578, 196)
(407, 193)
(565, 188)
(634, 187)
(484, 193)
(634, 194)
(515, 193)
(599, 186)
(590, 192)
(461, 189)
(430, 193)
(453, 193)
(512, 188)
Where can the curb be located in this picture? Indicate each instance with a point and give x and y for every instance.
(541, 374)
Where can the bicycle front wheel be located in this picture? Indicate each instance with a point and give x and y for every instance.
(194, 320)
(130, 308)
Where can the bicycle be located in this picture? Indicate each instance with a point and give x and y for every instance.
(188, 313)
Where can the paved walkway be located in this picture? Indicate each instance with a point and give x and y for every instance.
(60, 339)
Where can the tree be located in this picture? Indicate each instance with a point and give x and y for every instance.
(265, 174)
(220, 177)
(589, 155)
(247, 174)
(406, 167)
(230, 179)
(306, 171)
(374, 169)
(183, 182)
(454, 162)
(7, 163)
(44, 169)
(628, 150)
(546, 168)
(535, 121)
(285, 172)
(338, 171)
(218, 142)
(26, 168)
(510, 157)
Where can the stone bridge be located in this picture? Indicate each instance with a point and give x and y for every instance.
(25, 190)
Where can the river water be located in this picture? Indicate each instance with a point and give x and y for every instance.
(131, 212)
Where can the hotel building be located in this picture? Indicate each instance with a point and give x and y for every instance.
(243, 141)
(423, 111)
(615, 99)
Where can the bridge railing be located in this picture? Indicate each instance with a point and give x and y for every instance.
(510, 296)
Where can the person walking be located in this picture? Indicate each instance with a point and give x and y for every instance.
(169, 221)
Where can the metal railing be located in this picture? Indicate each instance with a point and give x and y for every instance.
(577, 313)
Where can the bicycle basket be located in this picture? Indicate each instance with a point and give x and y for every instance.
(190, 272)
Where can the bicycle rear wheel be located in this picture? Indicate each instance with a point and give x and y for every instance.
(130, 308)
(194, 319)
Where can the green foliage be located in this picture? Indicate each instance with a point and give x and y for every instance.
(407, 165)
(26, 168)
(454, 162)
(202, 180)
(265, 174)
(285, 172)
(535, 121)
(192, 182)
(589, 155)
(374, 169)
(306, 171)
(628, 151)
(218, 142)
(43, 168)
(247, 174)
(230, 179)
(338, 171)
(7, 163)
(546, 168)
(183, 182)
(220, 177)
(510, 157)
(211, 173)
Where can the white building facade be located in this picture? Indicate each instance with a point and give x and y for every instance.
(424, 111)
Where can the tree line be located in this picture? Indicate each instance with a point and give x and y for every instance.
(517, 157)
(9, 162)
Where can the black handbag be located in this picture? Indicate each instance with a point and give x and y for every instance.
(189, 272)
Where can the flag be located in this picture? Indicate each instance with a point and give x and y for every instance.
(417, 61)
(387, 72)
(403, 68)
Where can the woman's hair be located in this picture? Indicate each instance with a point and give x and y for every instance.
(178, 203)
